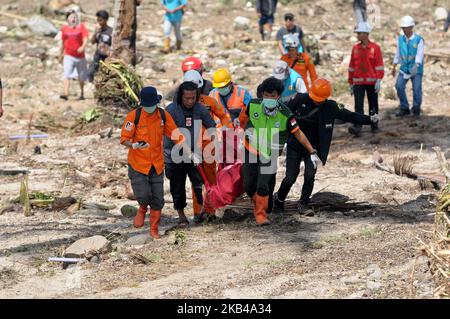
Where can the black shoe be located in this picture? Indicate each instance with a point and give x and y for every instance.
(375, 128)
(402, 112)
(355, 130)
(200, 218)
(211, 218)
(278, 204)
(63, 97)
(81, 98)
(303, 209)
(416, 113)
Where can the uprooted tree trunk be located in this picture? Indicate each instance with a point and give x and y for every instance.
(124, 34)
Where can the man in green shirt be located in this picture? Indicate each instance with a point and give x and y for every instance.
(268, 123)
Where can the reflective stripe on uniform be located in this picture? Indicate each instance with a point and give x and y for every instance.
(351, 70)
(379, 68)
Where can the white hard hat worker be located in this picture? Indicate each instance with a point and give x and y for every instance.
(292, 42)
(363, 27)
(407, 22)
(193, 76)
(281, 70)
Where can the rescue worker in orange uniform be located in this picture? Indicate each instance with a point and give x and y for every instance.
(299, 62)
(234, 99)
(222, 120)
(143, 132)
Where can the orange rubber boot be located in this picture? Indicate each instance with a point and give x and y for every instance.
(210, 170)
(262, 202)
(155, 216)
(139, 219)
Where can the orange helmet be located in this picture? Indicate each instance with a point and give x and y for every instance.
(320, 90)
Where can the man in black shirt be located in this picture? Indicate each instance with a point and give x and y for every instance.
(288, 30)
(103, 38)
(315, 114)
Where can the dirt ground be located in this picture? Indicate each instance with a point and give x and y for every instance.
(368, 249)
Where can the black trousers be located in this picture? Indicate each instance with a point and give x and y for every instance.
(148, 189)
(177, 174)
(293, 160)
(95, 65)
(359, 91)
(257, 180)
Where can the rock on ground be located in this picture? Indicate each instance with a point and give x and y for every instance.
(88, 246)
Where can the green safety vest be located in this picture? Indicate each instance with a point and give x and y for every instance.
(266, 133)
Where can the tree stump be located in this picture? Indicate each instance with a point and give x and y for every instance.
(124, 34)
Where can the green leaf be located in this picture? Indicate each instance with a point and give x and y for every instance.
(91, 115)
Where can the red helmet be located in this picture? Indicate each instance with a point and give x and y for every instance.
(192, 63)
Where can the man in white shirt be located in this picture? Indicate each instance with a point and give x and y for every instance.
(410, 56)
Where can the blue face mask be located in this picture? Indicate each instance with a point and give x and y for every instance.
(150, 109)
(224, 91)
(270, 103)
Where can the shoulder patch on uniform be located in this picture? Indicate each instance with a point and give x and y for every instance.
(129, 126)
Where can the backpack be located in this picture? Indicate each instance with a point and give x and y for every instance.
(139, 111)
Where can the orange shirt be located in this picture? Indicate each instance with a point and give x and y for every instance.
(150, 129)
(303, 65)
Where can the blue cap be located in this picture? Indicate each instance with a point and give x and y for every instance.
(149, 96)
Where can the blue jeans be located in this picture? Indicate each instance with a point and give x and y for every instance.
(400, 86)
(168, 25)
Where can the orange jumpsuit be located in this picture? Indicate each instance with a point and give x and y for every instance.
(302, 65)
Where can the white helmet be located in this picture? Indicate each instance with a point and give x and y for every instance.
(281, 70)
(291, 41)
(193, 76)
(407, 21)
(363, 27)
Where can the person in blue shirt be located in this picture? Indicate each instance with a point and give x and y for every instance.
(172, 19)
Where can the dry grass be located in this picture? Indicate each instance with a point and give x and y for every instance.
(439, 250)
(403, 165)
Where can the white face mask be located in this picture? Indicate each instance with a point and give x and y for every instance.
(150, 109)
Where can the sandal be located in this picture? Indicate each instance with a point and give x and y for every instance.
(200, 218)
(183, 223)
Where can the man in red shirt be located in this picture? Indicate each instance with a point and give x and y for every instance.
(365, 72)
(74, 38)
